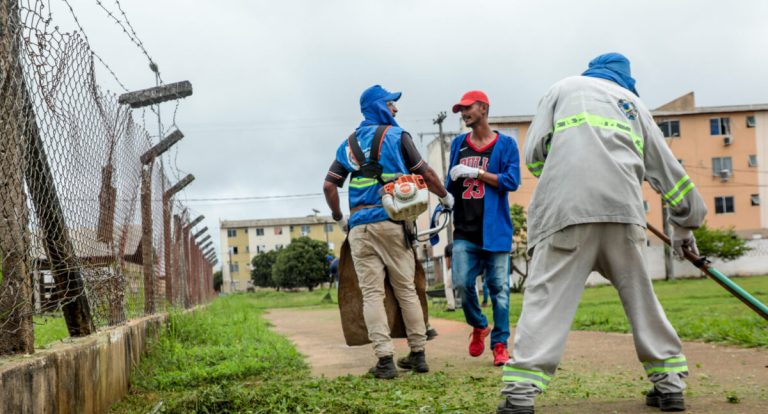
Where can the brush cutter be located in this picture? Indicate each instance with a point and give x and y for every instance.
(723, 280)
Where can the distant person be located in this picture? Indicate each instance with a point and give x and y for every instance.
(592, 144)
(334, 270)
(447, 278)
(484, 168)
(378, 244)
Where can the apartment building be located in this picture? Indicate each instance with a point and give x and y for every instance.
(243, 239)
(724, 149)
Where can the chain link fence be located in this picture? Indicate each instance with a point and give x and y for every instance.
(83, 222)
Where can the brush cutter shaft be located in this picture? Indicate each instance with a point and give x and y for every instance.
(720, 278)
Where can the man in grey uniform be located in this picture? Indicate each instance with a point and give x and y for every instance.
(591, 144)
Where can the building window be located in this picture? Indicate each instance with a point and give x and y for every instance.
(670, 128)
(278, 231)
(328, 228)
(724, 205)
(246, 230)
(305, 229)
(752, 160)
(234, 267)
(750, 121)
(721, 164)
(755, 199)
(234, 249)
(261, 248)
(248, 248)
(259, 231)
(291, 229)
(719, 126)
(278, 246)
(231, 232)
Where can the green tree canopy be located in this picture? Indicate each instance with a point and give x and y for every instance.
(723, 244)
(301, 264)
(261, 272)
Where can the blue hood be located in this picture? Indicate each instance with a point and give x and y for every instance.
(373, 105)
(614, 67)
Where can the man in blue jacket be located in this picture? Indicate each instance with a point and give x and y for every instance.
(484, 167)
(378, 245)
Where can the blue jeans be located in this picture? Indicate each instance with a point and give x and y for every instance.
(469, 260)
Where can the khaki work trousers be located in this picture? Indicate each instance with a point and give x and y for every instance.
(379, 249)
(560, 266)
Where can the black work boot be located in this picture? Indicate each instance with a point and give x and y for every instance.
(431, 333)
(385, 368)
(416, 361)
(672, 401)
(506, 407)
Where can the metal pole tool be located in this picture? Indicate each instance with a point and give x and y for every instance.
(723, 280)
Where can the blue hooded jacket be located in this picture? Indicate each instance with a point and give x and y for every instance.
(614, 67)
(365, 191)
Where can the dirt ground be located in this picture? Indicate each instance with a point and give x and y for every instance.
(715, 369)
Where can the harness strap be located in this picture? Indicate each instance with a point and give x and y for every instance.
(369, 168)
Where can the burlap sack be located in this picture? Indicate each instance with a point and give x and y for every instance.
(351, 301)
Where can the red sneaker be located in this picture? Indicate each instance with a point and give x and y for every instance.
(500, 355)
(477, 341)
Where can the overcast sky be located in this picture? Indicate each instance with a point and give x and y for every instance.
(277, 83)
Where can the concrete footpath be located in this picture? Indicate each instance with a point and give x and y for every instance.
(715, 369)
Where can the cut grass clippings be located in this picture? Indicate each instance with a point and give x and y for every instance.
(224, 358)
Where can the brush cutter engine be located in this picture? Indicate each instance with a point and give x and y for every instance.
(405, 198)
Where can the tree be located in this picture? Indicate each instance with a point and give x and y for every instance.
(218, 280)
(721, 243)
(262, 263)
(301, 264)
(520, 246)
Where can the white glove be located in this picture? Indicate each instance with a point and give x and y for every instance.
(447, 201)
(343, 223)
(462, 170)
(681, 239)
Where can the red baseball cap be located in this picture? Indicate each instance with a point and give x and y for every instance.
(469, 98)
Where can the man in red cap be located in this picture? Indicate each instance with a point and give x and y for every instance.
(484, 167)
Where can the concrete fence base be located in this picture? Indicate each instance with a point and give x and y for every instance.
(84, 375)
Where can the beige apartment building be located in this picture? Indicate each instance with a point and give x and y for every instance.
(724, 150)
(243, 239)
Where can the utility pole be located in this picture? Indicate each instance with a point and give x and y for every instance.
(439, 122)
(669, 269)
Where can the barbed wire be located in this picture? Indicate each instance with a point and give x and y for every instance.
(132, 36)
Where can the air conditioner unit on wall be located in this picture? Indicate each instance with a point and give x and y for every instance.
(724, 175)
(727, 140)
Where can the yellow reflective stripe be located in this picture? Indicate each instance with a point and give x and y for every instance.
(677, 186)
(362, 182)
(679, 198)
(512, 374)
(600, 122)
(513, 378)
(675, 364)
(536, 168)
(685, 190)
(545, 377)
(666, 369)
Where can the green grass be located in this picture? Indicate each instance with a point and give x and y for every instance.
(698, 308)
(225, 358)
(49, 329)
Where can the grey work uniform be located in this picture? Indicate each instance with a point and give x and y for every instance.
(591, 144)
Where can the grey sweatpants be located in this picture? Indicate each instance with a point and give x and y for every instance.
(560, 266)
